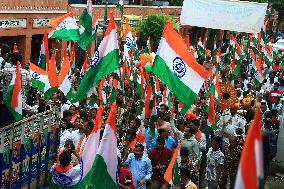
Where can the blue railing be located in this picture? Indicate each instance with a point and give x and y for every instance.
(28, 149)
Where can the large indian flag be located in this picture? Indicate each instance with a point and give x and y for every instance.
(65, 28)
(175, 66)
(13, 97)
(91, 146)
(250, 173)
(105, 164)
(104, 62)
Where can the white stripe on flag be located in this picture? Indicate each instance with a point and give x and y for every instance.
(191, 79)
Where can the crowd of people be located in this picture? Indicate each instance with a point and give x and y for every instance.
(209, 156)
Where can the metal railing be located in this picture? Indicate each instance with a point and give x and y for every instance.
(28, 149)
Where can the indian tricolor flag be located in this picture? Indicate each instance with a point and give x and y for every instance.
(86, 26)
(216, 85)
(239, 53)
(105, 164)
(90, 150)
(146, 112)
(265, 48)
(65, 28)
(259, 76)
(104, 61)
(53, 81)
(175, 66)
(172, 175)
(250, 173)
(138, 139)
(39, 78)
(92, 96)
(129, 40)
(95, 24)
(200, 49)
(65, 78)
(44, 53)
(120, 6)
(253, 44)
(13, 97)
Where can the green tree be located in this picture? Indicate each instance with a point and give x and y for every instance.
(276, 4)
(279, 6)
(176, 2)
(153, 26)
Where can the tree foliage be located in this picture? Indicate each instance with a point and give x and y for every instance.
(279, 6)
(276, 4)
(153, 26)
(176, 2)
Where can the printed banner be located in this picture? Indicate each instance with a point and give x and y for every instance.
(5, 167)
(35, 150)
(44, 149)
(225, 15)
(25, 159)
(15, 181)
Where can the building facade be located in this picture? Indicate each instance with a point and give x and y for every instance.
(24, 22)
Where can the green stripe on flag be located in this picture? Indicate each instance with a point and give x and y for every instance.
(69, 95)
(48, 94)
(86, 37)
(183, 111)
(7, 102)
(140, 107)
(120, 7)
(237, 69)
(113, 96)
(107, 65)
(175, 85)
(66, 35)
(42, 62)
(257, 83)
(38, 84)
(176, 175)
(260, 182)
(100, 178)
(93, 101)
